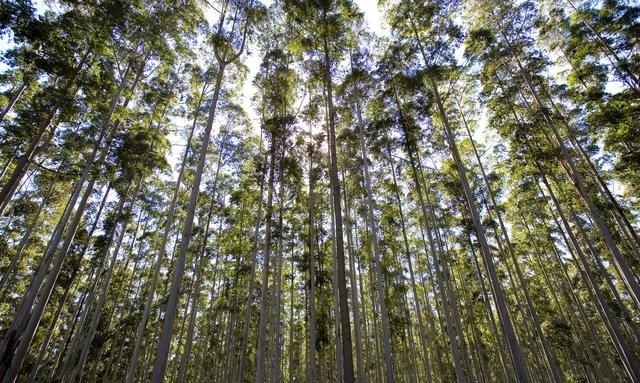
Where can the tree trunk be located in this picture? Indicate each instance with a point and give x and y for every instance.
(416, 300)
(133, 361)
(498, 294)
(15, 261)
(77, 374)
(629, 361)
(386, 341)
(252, 277)
(554, 369)
(13, 100)
(22, 323)
(436, 254)
(278, 291)
(312, 267)
(262, 327)
(184, 362)
(345, 326)
(160, 365)
(354, 292)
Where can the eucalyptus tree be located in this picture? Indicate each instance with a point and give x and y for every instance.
(276, 83)
(457, 191)
(513, 55)
(355, 86)
(60, 46)
(432, 34)
(25, 321)
(321, 28)
(201, 82)
(229, 39)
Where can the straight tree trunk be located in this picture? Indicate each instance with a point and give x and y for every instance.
(629, 361)
(275, 370)
(13, 100)
(252, 277)
(554, 369)
(15, 260)
(354, 293)
(160, 365)
(498, 295)
(133, 361)
(336, 296)
(45, 344)
(435, 253)
(14, 352)
(312, 267)
(345, 326)
(78, 371)
(184, 362)
(376, 250)
(416, 300)
(262, 326)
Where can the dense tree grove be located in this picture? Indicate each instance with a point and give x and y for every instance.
(451, 195)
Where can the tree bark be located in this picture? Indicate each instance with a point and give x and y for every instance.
(386, 341)
(262, 326)
(345, 326)
(133, 361)
(160, 365)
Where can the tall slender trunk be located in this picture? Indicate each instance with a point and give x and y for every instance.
(13, 100)
(416, 300)
(252, 277)
(312, 267)
(160, 365)
(50, 331)
(8, 273)
(184, 362)
(67, 337)
(629, 361)
(193, 310)
(354, 293)
(498, 295)
(345, 326)
(133, 361)
(278, 290)
(78, 370)
(339, 369)
(386, 341)
(429, 221)
(489, 311)
(23, 324)
(554, 369)
(81, 314)
(262, 326)
(291, 320)
(6, 166)
(360, 286)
